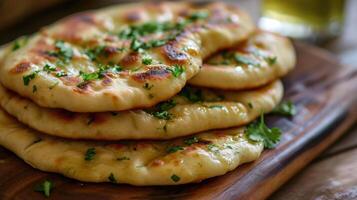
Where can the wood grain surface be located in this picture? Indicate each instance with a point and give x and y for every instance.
(324, 94)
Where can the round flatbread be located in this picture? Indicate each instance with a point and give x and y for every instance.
(192, 110)
(262, 58)
(170, 162)
(102, 60)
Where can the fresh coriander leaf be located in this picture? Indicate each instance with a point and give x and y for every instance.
(175, 178)
(34, 88)
(245, 60)
(285, 108)
(250, 105)
(160, 111)
(259, 132)
(90, 76)
(45, 187)
(27, 78)
(90, 153)
(64, 52)
(176, 70)
(147, 60)
(192, 94)
(213, 148)
(123, 158)
(20, 42)
(173, 149)
(270, 59)
(49, 67)
(61, 74)
(112, 178)
(198, 16)
(190, 141)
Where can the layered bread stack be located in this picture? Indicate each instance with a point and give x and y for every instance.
(144, 94)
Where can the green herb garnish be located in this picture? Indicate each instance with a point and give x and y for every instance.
(123, 158)
(191, 140)
(270, 59)
(215, 106)
(285, 108)
(63, 52)
(176, 70)
(20, 42)
(259, 132)
(34, 88)
(245, 60)
(175, 178)
(173, 149)
(49, 67)
(192, 94)
(45, 188)
(26, 79)
(160, 111)
(112, 178)
(90, 153)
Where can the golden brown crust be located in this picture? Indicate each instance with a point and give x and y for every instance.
(81, 44)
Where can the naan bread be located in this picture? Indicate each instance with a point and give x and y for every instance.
(193, 110)
(170, 162)
(262, 58)
(102, 60)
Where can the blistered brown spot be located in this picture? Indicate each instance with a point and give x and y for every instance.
(106, 81)
(173, 55)
(21, 67)
(82, 88)
(157, 163)
(154, 73)
(70, 80)
(64, 115)
(133, 16)
(110, 51)
(130, 59)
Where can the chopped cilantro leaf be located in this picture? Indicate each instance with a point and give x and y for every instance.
(90, 153)
(285, 108)
(34, 88)
(250, 105)
(192, 94)
(26, 79)
(259, 132)
(175, 178)
(270, 59)
(245, 60)
(215, 106)
(63, 52)
(49, 67)
(112, 178)
(90, 76)
(213, 148)
(160, 111)
(190, 141)
(198, 16)
(123, 158)
(61, 74)
(20, 42)
(176, 70)
(147, 60)
(45, 188)
(173, 149)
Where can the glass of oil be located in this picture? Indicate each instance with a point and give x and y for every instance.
(311, 20)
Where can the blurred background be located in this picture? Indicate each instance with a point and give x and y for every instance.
(329, 24)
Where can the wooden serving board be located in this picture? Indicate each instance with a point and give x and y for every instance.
(325, 95)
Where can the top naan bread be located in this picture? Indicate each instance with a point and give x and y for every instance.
(120, 58)
(259, 60)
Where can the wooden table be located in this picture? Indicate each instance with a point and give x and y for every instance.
(330, 176)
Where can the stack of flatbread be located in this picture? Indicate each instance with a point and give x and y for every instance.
(144, 94)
